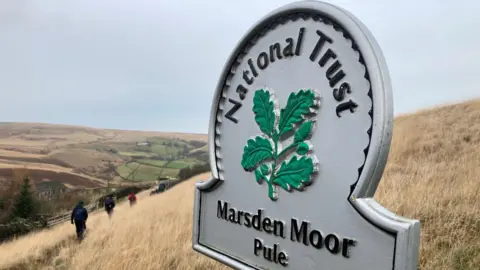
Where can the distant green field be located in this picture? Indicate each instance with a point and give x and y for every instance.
(144, 154)
(183, 163)
(150, 169)
(158, 163)
(158, 146)
(141, 148)
(169, 172)
(178, 164)
(145, 172)
(169, 142)
(151, 158)
(123, 170)
(164, 150)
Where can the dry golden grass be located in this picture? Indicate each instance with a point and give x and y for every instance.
(155, 234)
(433, 174)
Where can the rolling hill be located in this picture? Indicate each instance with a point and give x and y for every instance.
(432, 175)
(62, 156)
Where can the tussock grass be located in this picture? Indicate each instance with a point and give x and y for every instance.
(155, 234)
(433, 174)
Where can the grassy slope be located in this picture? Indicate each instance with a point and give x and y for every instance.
(432, 175)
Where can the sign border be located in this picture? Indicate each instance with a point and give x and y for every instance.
(405, 231)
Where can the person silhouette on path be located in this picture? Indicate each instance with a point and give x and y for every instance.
(79, 218)
(109, 205)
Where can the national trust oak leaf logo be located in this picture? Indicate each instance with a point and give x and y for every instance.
(288, 167)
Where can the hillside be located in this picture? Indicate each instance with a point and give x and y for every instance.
(432, 175)
(151, 237)
(61, 156)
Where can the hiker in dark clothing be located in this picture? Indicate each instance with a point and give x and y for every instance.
(109, 205)
(79, 217)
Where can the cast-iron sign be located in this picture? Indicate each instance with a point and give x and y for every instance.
(300, 131)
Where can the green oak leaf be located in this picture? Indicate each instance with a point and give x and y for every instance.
(256, 151)
(302, 133)
(265, 169)
(294, 173)
(298, 105)
(264, 113)
(303, 148)
(259, 176)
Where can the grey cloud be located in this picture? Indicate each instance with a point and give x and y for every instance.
(156, 63)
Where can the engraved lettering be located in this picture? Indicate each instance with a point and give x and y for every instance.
(270, 253)
(248, 222)
(329, 54)
(233, 110)
(242, 91)
(339, 94)
(316, 239)
(299, 41)
(288, 51)
(332, 243)
(349, 105)
(231, 215)
(222, 210)
(266, 225)
(318, 47)
(257, 221)
(262, 61)
(277, 49)
(345, 247)
(252, 67)
(334, 79)
(248, 80)
(297, 233)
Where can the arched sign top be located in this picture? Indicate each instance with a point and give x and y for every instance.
(300, 131)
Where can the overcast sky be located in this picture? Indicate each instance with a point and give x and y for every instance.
(153, 65)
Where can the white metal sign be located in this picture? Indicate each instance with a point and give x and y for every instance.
(300, 131)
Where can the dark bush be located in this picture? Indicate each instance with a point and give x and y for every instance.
(24, 205)
(18, 227)
(186, 173)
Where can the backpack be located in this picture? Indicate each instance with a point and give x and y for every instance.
(79, 213)
(108, 203)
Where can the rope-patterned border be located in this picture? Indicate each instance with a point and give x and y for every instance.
(268, 26)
